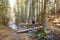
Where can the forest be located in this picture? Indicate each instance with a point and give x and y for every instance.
(29, 19)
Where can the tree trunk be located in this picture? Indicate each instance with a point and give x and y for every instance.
(44, 16)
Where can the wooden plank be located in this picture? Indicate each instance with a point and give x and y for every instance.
(20, 31)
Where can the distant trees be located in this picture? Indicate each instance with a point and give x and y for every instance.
(27, 9)
(4, 10)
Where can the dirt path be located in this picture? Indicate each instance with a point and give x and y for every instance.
(9, 34)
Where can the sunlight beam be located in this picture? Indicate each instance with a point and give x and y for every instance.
(12, 3)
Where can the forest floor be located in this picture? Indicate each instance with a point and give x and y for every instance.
(56, 30)
(8, 34)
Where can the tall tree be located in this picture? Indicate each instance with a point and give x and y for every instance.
(32, 10)
(44, 16)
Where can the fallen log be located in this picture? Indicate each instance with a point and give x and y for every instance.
(25, 30)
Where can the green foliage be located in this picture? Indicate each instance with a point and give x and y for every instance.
(42, 35)
(4, 10)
